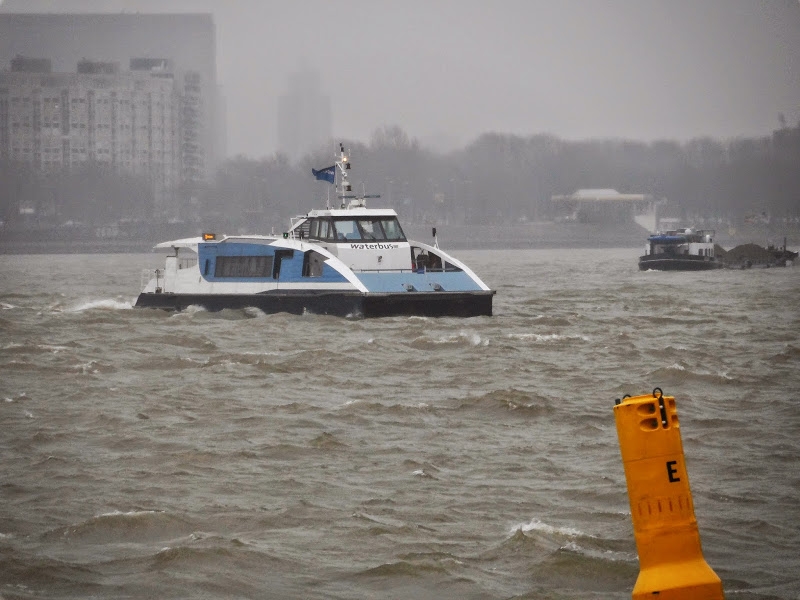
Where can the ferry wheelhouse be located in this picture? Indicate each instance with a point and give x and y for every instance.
(347, 261)
(680, 250)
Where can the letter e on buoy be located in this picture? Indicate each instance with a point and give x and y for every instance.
(671, 563)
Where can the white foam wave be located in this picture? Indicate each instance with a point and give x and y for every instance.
(6, 306)
(53, 349)
(537, 525)
(610, 555)
(473, 338)
(107, 304)
(130, 513)
(88, 368)
(549, 337)
(190, 310)
(20, 396)
(45, 347)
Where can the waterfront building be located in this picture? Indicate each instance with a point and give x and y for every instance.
(130, 120)
(187, 41)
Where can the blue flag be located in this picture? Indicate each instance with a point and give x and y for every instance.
(327, 174)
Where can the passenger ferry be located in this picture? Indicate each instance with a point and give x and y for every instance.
(680, 250)
(347, 261)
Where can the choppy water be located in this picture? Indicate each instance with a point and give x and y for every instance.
(238, 455)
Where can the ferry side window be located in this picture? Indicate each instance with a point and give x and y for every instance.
(243, 266)
(371, 229)
(392, 229)
(346, 229)
(323, 230)
(314, 232)
(312, 264)
(331, 237)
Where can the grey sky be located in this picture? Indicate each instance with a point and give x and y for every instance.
(448, 70)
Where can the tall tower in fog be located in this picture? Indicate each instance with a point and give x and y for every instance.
(304, 115)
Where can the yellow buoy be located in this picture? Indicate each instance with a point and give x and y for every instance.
(671, 563)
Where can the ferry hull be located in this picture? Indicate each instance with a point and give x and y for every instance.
(678, 263)
(342, 304)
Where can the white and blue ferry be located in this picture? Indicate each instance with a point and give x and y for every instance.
(347, 261)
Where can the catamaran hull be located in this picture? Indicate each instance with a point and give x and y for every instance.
(683, 263)
(342, 304)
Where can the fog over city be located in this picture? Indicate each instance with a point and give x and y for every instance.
(446, 71)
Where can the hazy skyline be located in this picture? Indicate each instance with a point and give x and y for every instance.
(446, 71)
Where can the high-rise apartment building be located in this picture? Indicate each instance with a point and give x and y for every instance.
(304, 115)
(133, 121)
(186, 41)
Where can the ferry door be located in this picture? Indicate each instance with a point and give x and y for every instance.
(170, 273)
(280, 256)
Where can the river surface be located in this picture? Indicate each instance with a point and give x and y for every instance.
(147, 454)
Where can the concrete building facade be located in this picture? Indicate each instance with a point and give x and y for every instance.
(130, 121)
(186, 41)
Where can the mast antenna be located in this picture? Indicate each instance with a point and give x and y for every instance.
(343, 165)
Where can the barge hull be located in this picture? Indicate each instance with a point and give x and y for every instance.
(686, 263)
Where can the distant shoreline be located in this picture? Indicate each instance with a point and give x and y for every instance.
(536, 235)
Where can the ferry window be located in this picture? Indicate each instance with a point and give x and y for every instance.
(417, 258)
(243, 266)
(346, 230)
(371, 229)
(314, 231)
(428, 261)
(331, 237)
(312, 264)
(323, 230)
(392, 229)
